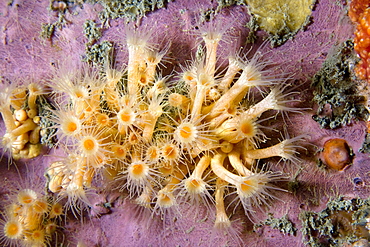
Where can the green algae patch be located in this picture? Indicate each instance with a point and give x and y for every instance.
(129, 9)
(341, 222)
(97, 54)
(283, 224)
(282, 19)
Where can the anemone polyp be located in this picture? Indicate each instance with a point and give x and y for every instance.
(195, 186)
(165, 199)
(89, 145)
(153, 153)
(56, 210)
(186, 133)
(170, 152)
(249, 186)
(126, 116)
(119, 151)
(13, 229)
(71, 125)
(27, 197)
(41, 206)
(138, 170)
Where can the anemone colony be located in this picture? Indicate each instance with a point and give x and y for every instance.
(164, 144)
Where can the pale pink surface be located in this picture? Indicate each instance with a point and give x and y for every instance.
(23, 53)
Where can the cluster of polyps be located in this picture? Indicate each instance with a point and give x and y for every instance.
(19, 109)
(31, 219)
(166, 145)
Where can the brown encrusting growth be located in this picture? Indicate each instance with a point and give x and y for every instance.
(336, 154)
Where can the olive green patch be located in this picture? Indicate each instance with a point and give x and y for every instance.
(282, 19)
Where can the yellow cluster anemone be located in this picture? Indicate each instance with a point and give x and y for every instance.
(166, 145)
(30, 219)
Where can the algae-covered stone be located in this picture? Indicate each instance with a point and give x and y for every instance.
(343, 222)
(336, 90)
(129, 9)
(283, 224)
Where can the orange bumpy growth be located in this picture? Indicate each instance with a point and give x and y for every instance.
(359, 13)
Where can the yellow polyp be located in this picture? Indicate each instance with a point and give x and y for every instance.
(137, 170)
(8, 119)
(89, 144)
(40, 206)
(178, 100)
(14, 210)
(188, 76)
(170, 152)
(50, 228)
(119, 151)
(20, 115)
(26, 197)
(204, 79)
(164, 200)
(102, 119)
(71, 126)
(143, 80)
(31, 220)
(32, 101)
(32, 113)
(221, 216)
(192, 186)
(166, 168)
(185, 132)
(56, 210)
(248, 186)
(125, 116)
(55, 183)
(152, 153)
(133, 138)
(247, 128)
(262, 153)
(18, 98)
(230, 74)
(194, 183)
(78, 177)
(226, 147)
(79, 107)
(111, 96)
(100, 161)
(89, 109)
(79, 93)
(144, 199)
(13, 230)
(211, 59)
(38, 236)
(151, 59)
